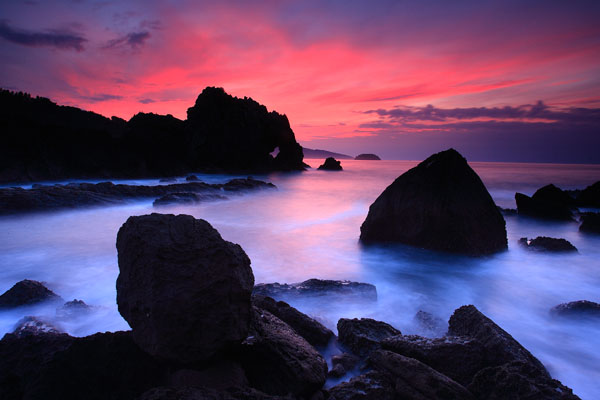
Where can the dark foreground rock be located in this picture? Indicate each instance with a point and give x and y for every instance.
(19, 200)
(311, 330)
(441, 204)
(279, 361)
(590, 223)
(27, 292)
(183, 289)
(364, 335)
(543, 243)
(548, 202)
(318, 288)
(367, 156)
(203, 393)
(577, 309)
(331, 164)
(58, 366)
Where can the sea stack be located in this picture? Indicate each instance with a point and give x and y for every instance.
(441, 204)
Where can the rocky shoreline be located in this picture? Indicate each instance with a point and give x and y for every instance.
(15, 200)
(199, 332)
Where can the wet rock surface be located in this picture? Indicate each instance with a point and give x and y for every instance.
(331, 164)
(547, 244)
(279, 361)
(590, 223)
(27, 292)
(183, 289)
(441, 204)
(577, 309)
(33, 326)
(311, 330)
(185, 198)
(364, 335)
(548, 202)
(19, 200)
(318, 288)
(343, 363)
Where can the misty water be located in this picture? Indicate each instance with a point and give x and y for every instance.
(309, 227)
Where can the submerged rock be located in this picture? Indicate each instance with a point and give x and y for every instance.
(441, 204)
(28, 326)
(364, 335)
(318, 288)
(27, 292)
(367, 156)
(331, 164)
(548, 202)
(73, 309)
(183, 289)
(577, 309)
(590, 223)
(192, 178)
(343, 363)
(279, 361)
(430, 323)
(543, 243)
(313, 331)
(185, 198)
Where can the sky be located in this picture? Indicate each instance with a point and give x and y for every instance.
(497, 80)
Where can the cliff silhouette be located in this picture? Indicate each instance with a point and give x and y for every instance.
(43, 141)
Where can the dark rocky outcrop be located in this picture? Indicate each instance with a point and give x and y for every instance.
(318, 288)
(590, 196)
(185, 198)
(331, 164)
(42, 198)
(500, 347)
(441, 204)
(543, 243)
(204, 393)
(279, 361)
(364, 335)
(548, 202)
(394, 376)
(367, 156)
(590, 223)
(322, 154)
(457, 357)
(73, 309)
(27, 292)
(518, 380)
(311, 330)
(44, 141)
(58, 366)
(183, 289)
(192, 178)
(577, 309)
(33, 326)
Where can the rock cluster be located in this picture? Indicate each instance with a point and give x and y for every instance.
(441, 204)
(548, 202)
(315, 288)
(543, 243)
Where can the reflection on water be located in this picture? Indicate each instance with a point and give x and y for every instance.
(309, 227)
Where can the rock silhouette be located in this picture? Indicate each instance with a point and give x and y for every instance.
(27, 292)
(367, 156)
(548, 202)
(43, 141)
(441, 204)
(331, 164)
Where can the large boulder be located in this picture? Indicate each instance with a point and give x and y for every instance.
(331, 164)
(548, 202)
(183, 289)
(441, 204)
(577, 309)
(315, 288)
(279, 361)
(27, 292)
(312, 330)
(364, 335)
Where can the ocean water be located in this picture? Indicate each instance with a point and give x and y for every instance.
(309, 228)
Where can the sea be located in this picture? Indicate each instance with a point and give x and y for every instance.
(309, 228)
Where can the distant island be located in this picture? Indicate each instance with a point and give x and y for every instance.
(316, 153)
(367, 156)
(42, 140)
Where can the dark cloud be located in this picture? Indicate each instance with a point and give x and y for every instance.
(96, 98)
(538, 111)
(61, 39)
(146, 101)
(132, 39)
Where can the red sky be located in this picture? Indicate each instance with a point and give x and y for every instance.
(338, 69)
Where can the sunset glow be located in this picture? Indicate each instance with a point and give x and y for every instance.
(337, 69)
